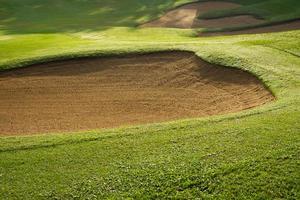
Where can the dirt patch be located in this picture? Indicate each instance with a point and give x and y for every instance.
(186, 16)
(111, 92)
(287, 26)
(236, 21)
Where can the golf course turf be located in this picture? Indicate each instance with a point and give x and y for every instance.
(246, 154)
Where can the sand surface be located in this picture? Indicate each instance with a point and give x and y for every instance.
(244, 20)
(186, 17)
(97, 93)
(287, 26)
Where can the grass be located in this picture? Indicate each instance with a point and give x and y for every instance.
(36, 16)
(180, 160)
(52, 16)
(253, 154)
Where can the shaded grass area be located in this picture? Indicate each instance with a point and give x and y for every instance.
(56, 16)
(249, 155)
(53, 16)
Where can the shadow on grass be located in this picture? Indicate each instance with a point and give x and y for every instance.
(55, 16)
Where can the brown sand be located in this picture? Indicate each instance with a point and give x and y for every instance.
(186, 16)
(235, 21)
(111, 92)
(287, 26)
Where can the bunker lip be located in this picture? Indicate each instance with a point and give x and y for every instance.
(94, 93)
(186, 17)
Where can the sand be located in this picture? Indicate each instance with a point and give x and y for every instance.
(235, 21)
(93, 93)
(186, 17)
(286, 26)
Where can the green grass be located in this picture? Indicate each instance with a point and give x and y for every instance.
(52, 16)
(253, 154)
(56, 16)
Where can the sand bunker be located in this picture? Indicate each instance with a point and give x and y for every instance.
(287, 26)
(186, 16)
(235, 21)
(110, 92)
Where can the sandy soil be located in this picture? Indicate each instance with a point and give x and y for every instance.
(287, 26)
(111, 92)
(186, 16)
(240, 20)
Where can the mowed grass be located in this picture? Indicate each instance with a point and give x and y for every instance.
(253, 154)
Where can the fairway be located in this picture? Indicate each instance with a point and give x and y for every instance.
(149, 99)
